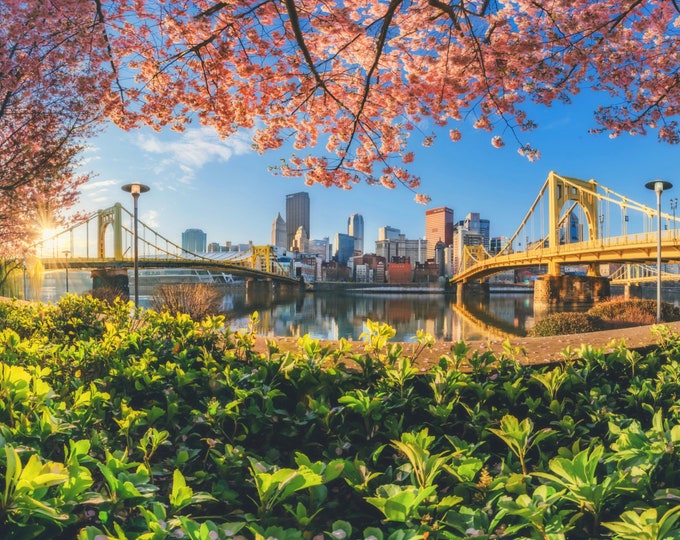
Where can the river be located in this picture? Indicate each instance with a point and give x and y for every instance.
(343, 314)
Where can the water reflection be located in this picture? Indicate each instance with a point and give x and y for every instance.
(338, 315)
(343, 314)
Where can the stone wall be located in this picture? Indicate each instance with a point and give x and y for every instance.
(550, 290)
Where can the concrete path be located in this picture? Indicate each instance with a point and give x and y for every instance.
(532, 350)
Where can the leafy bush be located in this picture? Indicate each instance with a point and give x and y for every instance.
(567, 323)
(198, 300)
(634, 311)
(154, 426)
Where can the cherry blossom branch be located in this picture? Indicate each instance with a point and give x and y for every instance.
(109, 49)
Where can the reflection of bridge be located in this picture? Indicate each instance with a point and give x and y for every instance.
(104, 242)
(574, 222)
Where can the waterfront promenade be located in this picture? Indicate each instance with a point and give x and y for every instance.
(531, 350)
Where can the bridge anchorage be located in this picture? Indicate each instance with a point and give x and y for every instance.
(573, 231)
(103, 241)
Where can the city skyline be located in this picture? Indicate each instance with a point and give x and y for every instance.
(222, 187)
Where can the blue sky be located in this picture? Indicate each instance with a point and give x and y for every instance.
(224, 188)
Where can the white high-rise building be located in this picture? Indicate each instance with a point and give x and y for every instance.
(279, 232)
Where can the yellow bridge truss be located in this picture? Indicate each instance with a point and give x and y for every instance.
(105, 238)
(563, 196)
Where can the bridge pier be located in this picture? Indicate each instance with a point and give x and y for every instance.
(114, 278)
(283, 290)
(259, 292)
(471, 289)
(551, 290)
(632, 290)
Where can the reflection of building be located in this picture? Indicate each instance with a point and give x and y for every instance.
(279, 234)
(355, 228)
(297, 215)
(438, 228)
(194, 240)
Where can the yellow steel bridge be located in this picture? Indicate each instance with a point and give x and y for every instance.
(105, 240)
(605, 222)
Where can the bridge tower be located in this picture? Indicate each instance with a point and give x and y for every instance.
(561, 190)
(553, 287)
(110, 216)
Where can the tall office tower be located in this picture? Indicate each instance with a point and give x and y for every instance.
(438, 227)
(355, 228)
(279, 236)
(297, 215)
(344, 248)
(194, 240)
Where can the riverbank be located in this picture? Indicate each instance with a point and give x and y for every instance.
(529, 350)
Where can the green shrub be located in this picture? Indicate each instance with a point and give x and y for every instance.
(567, 323)
(636, 311)
(198, 300)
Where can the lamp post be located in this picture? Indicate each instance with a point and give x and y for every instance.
(66, 254)
(135, 190)
(658, 186)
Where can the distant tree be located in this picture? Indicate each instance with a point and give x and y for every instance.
(361, 76)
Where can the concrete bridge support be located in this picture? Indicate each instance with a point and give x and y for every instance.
(472, 289)
(632, 290)
(115, 278)
(552, 290)
(259, 292)
(286, 291)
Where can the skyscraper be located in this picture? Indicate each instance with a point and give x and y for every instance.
(344, 248)
(388, 233)
(279, 236)
(355, 228)
(297, 215)
(194, 240)
(438, 227)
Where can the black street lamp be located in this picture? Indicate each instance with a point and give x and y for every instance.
(658, 186)
(66, 254)
(135, 190)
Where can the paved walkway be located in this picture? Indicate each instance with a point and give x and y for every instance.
(533, 350)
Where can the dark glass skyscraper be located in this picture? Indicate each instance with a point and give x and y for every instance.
(355, 228)
(194, 240)
(297, 215)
